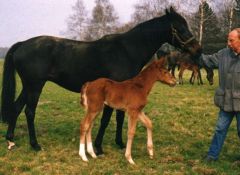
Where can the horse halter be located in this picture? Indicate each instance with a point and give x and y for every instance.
(179, 39)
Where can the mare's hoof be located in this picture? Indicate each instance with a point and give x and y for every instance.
(99, 151)
(121, 145)
(36, 147)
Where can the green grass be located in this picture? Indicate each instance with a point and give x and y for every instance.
(183, 119)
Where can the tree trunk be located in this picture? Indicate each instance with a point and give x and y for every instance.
(230, 19)
(201, 22)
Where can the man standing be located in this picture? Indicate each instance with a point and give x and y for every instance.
(227, 96)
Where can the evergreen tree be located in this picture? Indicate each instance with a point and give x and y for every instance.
(205, 23)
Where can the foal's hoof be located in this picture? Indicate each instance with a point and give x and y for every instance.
(121, 145)
(99, 151)
(36, 147)
(131, 162)
(10, 145)
(84, 157)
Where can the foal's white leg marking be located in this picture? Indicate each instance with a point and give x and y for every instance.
(131, 131)
(148, 124)
(82, 152)
(106, 103)
(89, 143)
(128, 152)
(82, 141)
(10, 145)
(90, 150)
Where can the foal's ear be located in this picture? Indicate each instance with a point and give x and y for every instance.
(162, 62)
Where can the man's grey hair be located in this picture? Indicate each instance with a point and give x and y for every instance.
(238, 31)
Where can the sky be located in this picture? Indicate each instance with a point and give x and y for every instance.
(23, 19)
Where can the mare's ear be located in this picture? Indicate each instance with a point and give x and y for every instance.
(169, 13)
(172, 10)
(162, 62)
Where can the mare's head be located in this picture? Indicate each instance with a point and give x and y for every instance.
(163, 74)
(180, 35)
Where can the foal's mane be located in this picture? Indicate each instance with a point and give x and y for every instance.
(149, 69)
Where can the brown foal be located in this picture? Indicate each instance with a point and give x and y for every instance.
(130, 96)
(195, 72)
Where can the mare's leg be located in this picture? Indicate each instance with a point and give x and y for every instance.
(148, 124)
(173, 71)
(196, 76)
(200, 76)
(85, 127)
(191, 78)
(89, 142)
(18, 106)
(132, 122)
(33, 92)
(107, 112)
(120, 120)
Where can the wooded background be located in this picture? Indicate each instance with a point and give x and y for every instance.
(209, 20)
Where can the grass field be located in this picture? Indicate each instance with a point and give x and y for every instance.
(183, 119)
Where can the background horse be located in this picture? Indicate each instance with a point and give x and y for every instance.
(177, 58)
(196, 74)
(70, 64)
(184, 63)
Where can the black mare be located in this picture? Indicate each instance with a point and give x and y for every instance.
(71, 63)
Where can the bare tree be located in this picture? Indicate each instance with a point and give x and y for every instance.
(142, 13)
(229, 15)
(76, 23)
(231, 7)
(125, 27)
(104, 20)
(206, 16)
(147, 9)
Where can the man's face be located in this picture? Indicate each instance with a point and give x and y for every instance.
(234, 41)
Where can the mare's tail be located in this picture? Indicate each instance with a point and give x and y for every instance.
(8, 85)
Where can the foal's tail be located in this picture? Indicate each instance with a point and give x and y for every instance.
(8, 85)
(84, 102)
